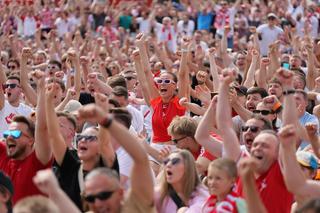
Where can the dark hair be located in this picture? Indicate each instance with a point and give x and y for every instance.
(266, 124)
(69, 117)
(4, 191)
(27, 121)
(313, 204)
(120, 91)
(12, 60)
(114, 102)
(122, 115)
(174, 77)
(54, 80)
(117, 80)
(305, 95)
(56, 63)
(14, 77)
(274, 80)
(257, 90)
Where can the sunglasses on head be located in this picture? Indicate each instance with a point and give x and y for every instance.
(262, 112)
(101, 196)
(253, 129)
(164, 81)
(177, 140)
(11, 86)
(174, 161)
(16, 134)
(88, 138)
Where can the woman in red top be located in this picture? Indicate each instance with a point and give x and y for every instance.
(161, 93)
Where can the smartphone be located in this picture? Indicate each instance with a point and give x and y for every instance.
(286, 65)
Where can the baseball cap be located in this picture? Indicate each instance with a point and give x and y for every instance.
(72, 106)
(6, 182)
(272, 15)
(307, 159)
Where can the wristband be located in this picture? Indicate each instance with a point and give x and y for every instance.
(289, 92)
(106, 123)
(276, 106)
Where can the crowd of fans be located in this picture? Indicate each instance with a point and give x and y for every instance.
(159, 106)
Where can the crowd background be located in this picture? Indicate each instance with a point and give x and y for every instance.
(159, 106)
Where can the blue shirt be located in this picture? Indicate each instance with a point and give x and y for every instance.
(204, 21)
(307, 118)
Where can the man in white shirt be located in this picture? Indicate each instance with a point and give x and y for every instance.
(167, 33)
(185, 26)
(268, 33)
(10, 105)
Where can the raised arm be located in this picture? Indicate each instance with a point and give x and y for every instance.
(24, 82)
(140, 41)
(3, 79)
(311, 74)
(293, 175)
(252, 197)
(141, 176)
(224, 119)
(56, 139)
(314, 138)
(183, 75)
(249, 81)
(213, 69)
(204, 129)
(42, 145)
(261, 74)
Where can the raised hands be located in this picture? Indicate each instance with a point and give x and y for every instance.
(285, 77)
(92, 113)
(288, 135)
(228, 76)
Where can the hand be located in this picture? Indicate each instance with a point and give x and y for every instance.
(183, 101)
(199, 53)
(71, 94)
(39, 78)
(136, 55)
(52, 91)
(270, 101)
(84, 61)
(26, 53)
(312, 130)
(46, 181)
(102, 101)
(247, 166)
(228, 76)
(288, 135)
(92, 113)
(72, 55)
(140, 39)
(255, 54)
(285, 77)
(212, 52)
(165, 152)
(185, 42)
(203, 94)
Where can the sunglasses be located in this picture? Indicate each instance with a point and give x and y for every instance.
(11, 67)
(101, 196)
(88, 138)
(262, 112)
(253, 129)
(11, 86)
(174, 161)
(177, 140)
(52, 67)
(16, 134)
(129, 78)
(164, 81)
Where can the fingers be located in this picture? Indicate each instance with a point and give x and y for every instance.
(287, 131)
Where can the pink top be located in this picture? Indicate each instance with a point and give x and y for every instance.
(196, 202)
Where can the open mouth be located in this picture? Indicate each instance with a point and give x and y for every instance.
(11, 146)
(8, 94)
(169, 173)
(163, 90)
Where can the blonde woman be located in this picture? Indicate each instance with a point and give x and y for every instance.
(180, 187)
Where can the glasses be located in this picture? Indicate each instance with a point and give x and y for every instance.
(52, 67)
(177, 140)
(11, 86)
(174, 161)
(16, 134)
(88, 138)
(164, 81)
(262, 112)
(253, 129)
(101, 196)
(129, 78)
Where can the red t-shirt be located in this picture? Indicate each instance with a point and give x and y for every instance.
(273, 191)
(162, 117)
(21, 173)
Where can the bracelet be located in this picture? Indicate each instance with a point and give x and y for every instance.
(289, 92)
(276, 106)
(106, 123)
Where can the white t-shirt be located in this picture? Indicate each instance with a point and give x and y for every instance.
(8, 112)
(125, 164)
(295, 11)
(62, 26)
(29, 26)
(268, 36)
(144, 25)
(167, 35)
(137, 119)
(186, 29)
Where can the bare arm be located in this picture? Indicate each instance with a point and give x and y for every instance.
(183, 82)
(213, 70)
(311, 75)
(249, 81)
(56, 140)
(42, 145)
(3, 79)
(204, 128)
(224, 120)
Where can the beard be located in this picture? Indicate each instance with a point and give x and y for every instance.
(19, 150)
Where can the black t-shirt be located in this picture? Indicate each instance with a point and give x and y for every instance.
(67, 175)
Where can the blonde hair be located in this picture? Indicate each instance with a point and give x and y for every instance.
(190, 179)
(184, 126)
(225, 164)
(35, 204)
